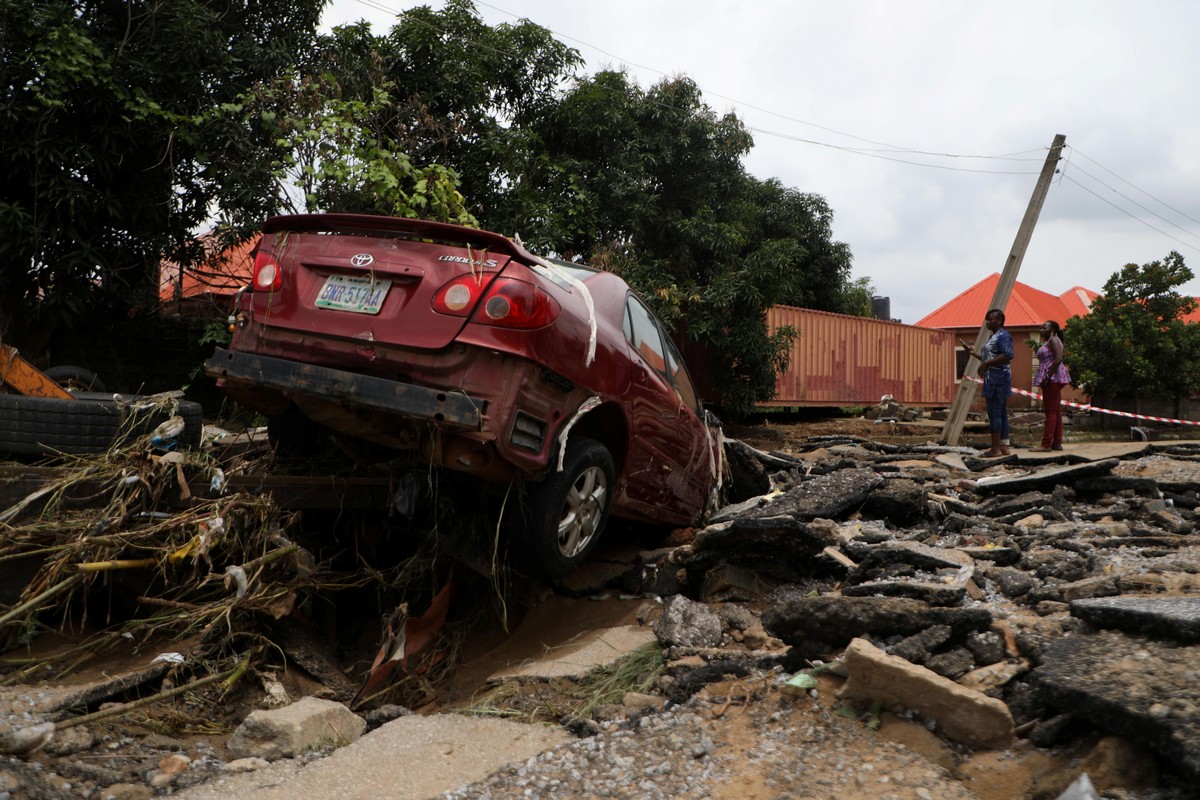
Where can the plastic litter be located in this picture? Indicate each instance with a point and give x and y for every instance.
(235, 574)
(1080, 789)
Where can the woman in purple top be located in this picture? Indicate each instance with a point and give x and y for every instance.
(1052, 376)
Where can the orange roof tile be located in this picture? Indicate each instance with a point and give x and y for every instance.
(1078, 301)
(221, 274)
(1027, 307)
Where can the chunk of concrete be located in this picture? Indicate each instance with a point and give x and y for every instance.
(962, 714)
(305, 725)
(688, 623)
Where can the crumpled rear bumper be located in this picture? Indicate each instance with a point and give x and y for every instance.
(290, 378)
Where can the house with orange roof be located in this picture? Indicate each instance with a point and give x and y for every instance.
(217, 278)
(1025, 312)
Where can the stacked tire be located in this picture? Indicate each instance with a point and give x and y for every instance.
(90, 423)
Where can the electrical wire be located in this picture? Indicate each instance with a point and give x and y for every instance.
(1128, 214)
(1078, 168)
(889, 148)
(1143, 191)
(888, 151)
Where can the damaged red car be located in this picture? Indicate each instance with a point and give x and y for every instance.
(464, 351)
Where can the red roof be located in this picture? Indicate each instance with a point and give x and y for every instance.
(1027, 306)
(1078, 301)
(221, 274)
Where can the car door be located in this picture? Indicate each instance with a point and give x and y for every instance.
(662, 449)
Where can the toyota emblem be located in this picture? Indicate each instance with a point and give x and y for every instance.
(362, 260)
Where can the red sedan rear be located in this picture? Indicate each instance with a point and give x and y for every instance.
(462, 349)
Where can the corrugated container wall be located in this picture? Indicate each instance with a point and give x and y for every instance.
(840, 360)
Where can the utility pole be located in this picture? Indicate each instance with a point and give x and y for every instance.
(967, 387)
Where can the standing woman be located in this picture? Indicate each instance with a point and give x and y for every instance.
(997, 380)
(1052, 376)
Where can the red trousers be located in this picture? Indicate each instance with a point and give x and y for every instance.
(1052, 404)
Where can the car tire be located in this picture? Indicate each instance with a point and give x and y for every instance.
(91, 423)
(565, 513)
(72, 377)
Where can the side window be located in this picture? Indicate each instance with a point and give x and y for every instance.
(679, 376)
(642, 332)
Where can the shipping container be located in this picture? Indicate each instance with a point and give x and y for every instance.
(839, 360)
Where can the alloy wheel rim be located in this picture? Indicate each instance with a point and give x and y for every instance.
(582, 511)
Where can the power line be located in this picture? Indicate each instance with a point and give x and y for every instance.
(890, 148)
(1136, 203)
(1143, 191)
(741, 103)
(882, 154)
(1133, 216)
(879, 155)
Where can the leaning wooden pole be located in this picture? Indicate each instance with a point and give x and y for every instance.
(967, 387)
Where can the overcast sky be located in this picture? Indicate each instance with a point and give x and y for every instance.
(839, 93)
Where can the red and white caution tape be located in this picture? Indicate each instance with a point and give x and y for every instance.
(1090, 407)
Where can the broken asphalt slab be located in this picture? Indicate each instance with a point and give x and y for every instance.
(1170, 617)
(1046, 478)
(1138, 688)
(794, 617)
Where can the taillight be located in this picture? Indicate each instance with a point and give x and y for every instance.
(458, 297)
(268, 277)
(508, 303)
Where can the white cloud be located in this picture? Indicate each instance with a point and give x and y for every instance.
(947, 76)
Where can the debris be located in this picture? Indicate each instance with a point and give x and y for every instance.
(688, 623)
(800, 683)
(308, 724)
(961, 714)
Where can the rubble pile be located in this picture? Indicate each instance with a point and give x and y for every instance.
(1052, 603)
(1066, 593)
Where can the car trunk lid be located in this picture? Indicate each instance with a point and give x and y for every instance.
(342, 281)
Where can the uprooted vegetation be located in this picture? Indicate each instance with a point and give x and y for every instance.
(143, 550)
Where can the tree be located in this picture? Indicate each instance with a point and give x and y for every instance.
(319, 151)
(650, 184)
(103, 159)
(1134, 342)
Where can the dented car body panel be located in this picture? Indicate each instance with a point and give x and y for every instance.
(463, 348)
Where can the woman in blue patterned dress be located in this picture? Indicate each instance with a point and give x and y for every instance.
(997, 380)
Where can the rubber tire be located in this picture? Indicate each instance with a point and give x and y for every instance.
(68, 377)
(91, 423)
(547, 505)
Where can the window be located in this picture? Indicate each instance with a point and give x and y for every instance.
(647, 337)
(642, 332)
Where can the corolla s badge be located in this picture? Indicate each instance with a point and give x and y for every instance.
(362, 260)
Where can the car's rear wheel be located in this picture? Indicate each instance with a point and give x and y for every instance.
(566, 512)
